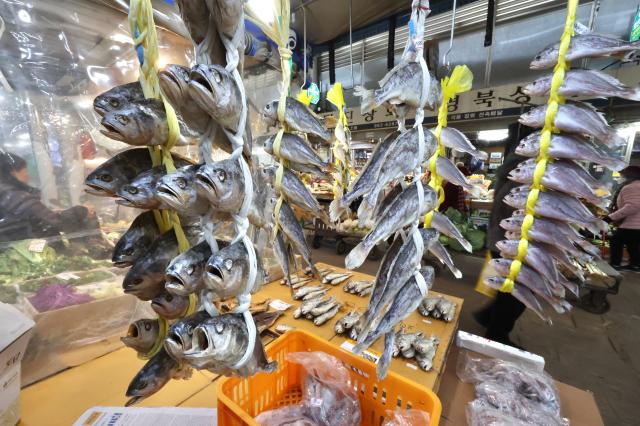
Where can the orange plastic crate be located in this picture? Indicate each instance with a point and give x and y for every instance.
(239, 400)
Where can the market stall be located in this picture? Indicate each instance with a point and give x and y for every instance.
(168, 176)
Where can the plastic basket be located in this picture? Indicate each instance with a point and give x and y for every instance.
(239, 400)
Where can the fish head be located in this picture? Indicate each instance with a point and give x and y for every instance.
(151, 378)
(533, 116)
(507, 246)
(517, 198)
(522, 171)
(528, 146)
(142, 334)
(117, 97)
(228, 270)
(538, 87)
(548, 56)
(223, 339)
(180, 335)
(105, 180)
(270, 113)
(212, 87)
(511, 223)
(502, 266)
(222, 183)
(140, 192)
(178, 189)
(268, 144)
(134, 123)
(494, 282)
(174, 82)
(169, 305)
(185, 272)
(130, 247)
(142, 283)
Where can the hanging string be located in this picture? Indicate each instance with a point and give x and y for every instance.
(555, 100)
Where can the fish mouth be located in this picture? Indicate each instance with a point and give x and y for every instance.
(126, 202)
(170, 85)
(100, 109)
(175, 284)
(175, 346)
(214, 274)
(121, 263)
(166, 193)
(200, 80)
(111, 132)
(94, 189)
(205, 181)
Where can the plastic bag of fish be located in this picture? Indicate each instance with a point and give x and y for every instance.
(411, 417)
(514, 389)
(328, 396)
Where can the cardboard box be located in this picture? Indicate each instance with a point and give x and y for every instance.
(577, 405)
(15, 331)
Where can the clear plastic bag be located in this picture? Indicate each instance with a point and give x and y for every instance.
(509, 401)
(537, 387)
(406, 418)
(480, 413)
(328, 398)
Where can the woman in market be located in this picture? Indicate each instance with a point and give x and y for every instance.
(626, 215)
(23, 215)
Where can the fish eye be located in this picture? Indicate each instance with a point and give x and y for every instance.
(132, 190)
(267, 107)
(123, 119)
(182, 183)
(228, 263)
(219, 328)
(147, 326)
(106, 178)
(222, 175)
(128, 252)
(190, 270)
(114, 102)
(217, 77)
(168, 297)
(137, 281)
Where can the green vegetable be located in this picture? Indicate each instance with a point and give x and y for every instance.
(476, 237)
(8, 294)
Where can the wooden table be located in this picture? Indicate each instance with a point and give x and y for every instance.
(61, 399)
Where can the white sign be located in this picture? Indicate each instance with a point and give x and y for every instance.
(37, 246)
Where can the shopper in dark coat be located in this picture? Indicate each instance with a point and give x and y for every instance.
(22, 214)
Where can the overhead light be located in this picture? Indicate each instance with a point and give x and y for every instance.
(263, 9)
(493, 135)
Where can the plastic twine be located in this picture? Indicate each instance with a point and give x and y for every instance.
(555, 100)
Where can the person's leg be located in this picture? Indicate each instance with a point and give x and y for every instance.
(506, 311)
(633, 246)
(616, 247)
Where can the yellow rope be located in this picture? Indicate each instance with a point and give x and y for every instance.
(336, 96)
(543, 158)
(163, 326)
(145, 39)
(460, 81)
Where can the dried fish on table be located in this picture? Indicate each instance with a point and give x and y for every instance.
(315, 294)
(326, 316)
(333, 275)
(347, 322)
(308, 305)
(322, 309)
(300, 293)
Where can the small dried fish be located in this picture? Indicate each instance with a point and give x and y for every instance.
(308, 305)
(347, 322)
(300, 293)
(339, 280)
(327, 316)
(315, 294)
(322, 309)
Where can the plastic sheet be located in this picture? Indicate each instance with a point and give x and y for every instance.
(480, 414)
(55, 239)
(328, 397)
(406, 418)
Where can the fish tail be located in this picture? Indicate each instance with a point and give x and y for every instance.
(367, 102)
(205, 150)
(358, 255)
(572, 287)
(614, 140)
(615, 164)
(336, 209)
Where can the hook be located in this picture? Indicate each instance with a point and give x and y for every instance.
(304, 26)
(453, 25)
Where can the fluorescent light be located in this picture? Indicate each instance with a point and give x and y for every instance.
(493, 135)
(263, 9)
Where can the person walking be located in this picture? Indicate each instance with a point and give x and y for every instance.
(626, 214)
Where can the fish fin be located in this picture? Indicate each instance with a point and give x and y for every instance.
(365, 209)
(580, 29)
(367, 102)
(358, 255)
(572, 287)
(336, 209)
(614, 140)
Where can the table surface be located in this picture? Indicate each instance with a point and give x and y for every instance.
(62, 398)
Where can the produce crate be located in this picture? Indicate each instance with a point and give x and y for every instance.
(240, 400)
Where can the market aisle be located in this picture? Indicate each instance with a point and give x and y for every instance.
(603, 354)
